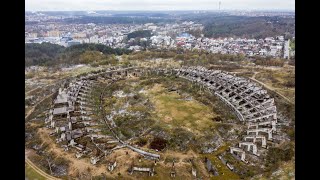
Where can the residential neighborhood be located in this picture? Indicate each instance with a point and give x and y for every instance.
(162, 36)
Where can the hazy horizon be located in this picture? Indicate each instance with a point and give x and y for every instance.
(159, 5)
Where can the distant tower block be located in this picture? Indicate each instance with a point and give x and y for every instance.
(219, 5)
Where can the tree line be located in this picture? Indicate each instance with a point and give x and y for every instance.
(140, 34)
(243, 26)
(47, 54)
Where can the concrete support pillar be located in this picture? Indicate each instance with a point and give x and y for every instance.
(243, 156)
(264, 142)
(70, 125)
(255, 150)
(270, 135)
(273, 124)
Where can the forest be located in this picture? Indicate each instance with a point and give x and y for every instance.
(114, 20)
(244, 26)
(140, 34)
(47, 54)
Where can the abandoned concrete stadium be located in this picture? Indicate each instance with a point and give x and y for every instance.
(252, 105)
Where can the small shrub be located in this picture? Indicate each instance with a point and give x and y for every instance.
(158, 143)
(141, 141)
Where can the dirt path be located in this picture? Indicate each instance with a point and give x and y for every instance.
(31, 110)
(33, 166)
(270, 88)
(38, 170)
(32, 90)
(254, 75)
(261, 67)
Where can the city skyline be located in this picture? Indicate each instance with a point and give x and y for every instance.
(157, 5)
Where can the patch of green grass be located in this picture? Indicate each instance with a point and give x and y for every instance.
(175, 111)
(223, 170)
(32, 174)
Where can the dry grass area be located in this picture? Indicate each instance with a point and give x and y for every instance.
(31, 174)
(124, 158)
(80, 70)
(224, 172)
(286, 171)
(75, 165)
(52, 75)
(152, 63)
(276, 78)
(183, 166)
(279, 81)
(173, 111)
(27, 110)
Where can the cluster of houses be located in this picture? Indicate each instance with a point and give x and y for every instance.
(164, 36)
(113, 35)
(269, 46)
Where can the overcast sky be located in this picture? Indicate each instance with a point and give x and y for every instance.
(155, 5)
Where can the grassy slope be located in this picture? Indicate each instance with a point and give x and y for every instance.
(277, 79)
(32, 174)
